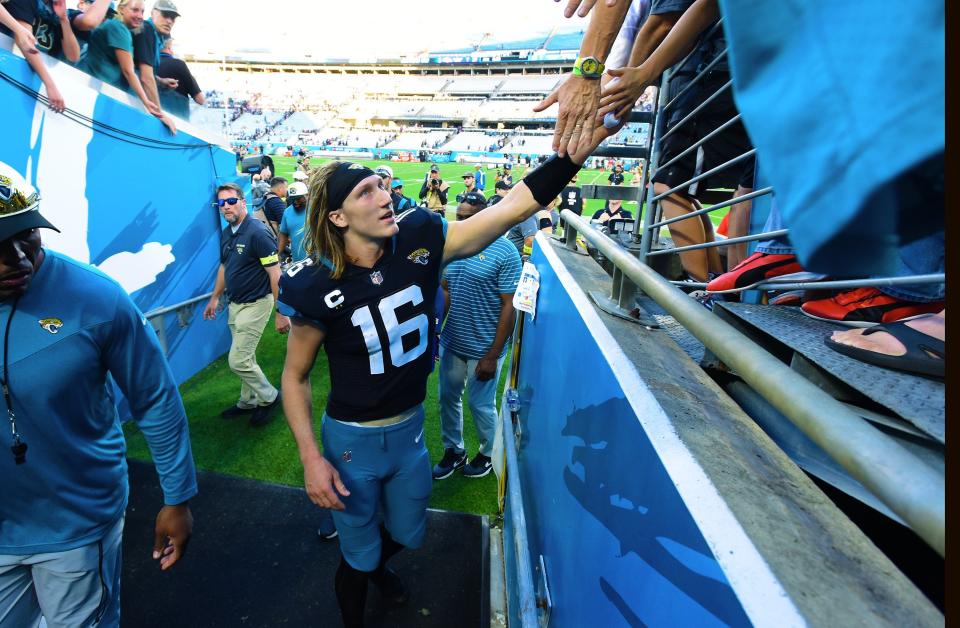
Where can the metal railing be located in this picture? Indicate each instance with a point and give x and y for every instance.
(905, 484)
(183, 310)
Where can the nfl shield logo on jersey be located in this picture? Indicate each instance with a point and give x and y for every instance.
(376, 277)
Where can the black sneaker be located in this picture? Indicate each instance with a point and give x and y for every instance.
(263, 414)
(390, 585)
(478, 467)
(452, 460)
(326, 530)
(234, 412)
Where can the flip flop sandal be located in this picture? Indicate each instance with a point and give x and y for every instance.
(925, 354)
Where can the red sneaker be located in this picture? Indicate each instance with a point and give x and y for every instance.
(754, 270)
(866, 307)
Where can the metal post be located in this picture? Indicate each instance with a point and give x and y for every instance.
(646, 235)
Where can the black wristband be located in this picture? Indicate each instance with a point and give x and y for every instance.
(547, 182)
(545, 222)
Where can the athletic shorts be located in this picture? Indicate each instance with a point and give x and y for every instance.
(386, 469)
(731, 142)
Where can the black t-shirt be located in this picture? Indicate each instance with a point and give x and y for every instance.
(244, 256)
(379, 322)
(273, 207)
(146, 47)
(22, 11)
(620, 213)
(171, 67)
(616, 178)
(572, 198)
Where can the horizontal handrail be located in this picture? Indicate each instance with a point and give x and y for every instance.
(720, 56)
(908, 486)
(176, 306)
(709, 173)
(703, 140)
(767, 235)
(837, 284)
(698, 109)
(706, 210)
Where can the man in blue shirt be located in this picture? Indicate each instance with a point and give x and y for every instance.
(479, 295)
(480, 177)
(291, 225)
(66, 327)
(249, 274)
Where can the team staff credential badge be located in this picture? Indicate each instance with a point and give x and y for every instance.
(420, 256)
(52, 325)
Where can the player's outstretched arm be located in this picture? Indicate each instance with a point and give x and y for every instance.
(321, 480)
(537, 190)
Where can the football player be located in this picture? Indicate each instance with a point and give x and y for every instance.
(366, 291)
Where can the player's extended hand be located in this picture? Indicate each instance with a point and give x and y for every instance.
(210, 312)
(486, 368)
(170, 83)
(579, 100)
(322, 483)
(171, 534)
(585, 7)
(621, 93)
(282, 323)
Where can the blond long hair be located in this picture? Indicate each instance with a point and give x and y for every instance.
(322, 238)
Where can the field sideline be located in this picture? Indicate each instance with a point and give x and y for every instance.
(412, 174)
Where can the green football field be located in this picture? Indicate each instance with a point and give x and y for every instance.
(412, 174)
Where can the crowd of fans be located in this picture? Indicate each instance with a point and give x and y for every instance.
(112, 41)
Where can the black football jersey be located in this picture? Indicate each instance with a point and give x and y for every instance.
(378, 322)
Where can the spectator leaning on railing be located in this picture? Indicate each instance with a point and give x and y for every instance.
(23, 13)
(146, 48)
(187, 87)
(110, 55)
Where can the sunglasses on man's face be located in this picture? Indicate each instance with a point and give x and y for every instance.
(227, 201)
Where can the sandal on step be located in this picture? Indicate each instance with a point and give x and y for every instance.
(925, 354)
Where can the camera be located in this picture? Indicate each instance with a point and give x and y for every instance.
(435, 182)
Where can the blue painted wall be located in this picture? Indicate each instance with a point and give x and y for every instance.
(135, 207)
(620, 546)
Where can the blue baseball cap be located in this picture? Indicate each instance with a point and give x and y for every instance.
(396, 183)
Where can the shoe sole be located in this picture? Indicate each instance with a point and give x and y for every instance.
(479, 475)
(452, 471)
(863, 324)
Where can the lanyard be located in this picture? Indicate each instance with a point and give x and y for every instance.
(18, 447)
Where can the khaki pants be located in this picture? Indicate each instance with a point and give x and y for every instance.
(246, 322)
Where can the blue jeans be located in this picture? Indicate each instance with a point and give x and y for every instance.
(455, 372)
(776, 246)
(71, 588)
(921, 257)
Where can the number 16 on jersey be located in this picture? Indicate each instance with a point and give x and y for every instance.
(396, 330)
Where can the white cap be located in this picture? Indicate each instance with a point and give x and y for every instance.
(296, 189)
